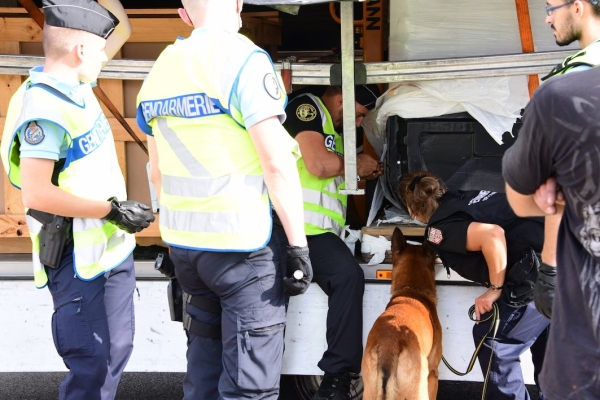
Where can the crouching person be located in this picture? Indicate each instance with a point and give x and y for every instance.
(477, 234)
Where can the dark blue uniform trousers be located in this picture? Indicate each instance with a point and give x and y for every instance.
(93, 327)
(245, 363)
(342, 279)
(520, 329)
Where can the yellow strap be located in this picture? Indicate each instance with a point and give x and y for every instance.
(495, 316)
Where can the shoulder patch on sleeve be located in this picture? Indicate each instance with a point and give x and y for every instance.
(34, 134)
(306, 112)
(435, 235)
(272, 86)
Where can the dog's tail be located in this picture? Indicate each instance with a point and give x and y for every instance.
(393, 372)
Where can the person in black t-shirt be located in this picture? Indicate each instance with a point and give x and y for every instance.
(476, 234)
(560, 139)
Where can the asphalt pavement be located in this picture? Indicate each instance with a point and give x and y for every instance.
(167, 386)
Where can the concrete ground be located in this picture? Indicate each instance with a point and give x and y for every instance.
(167, 386)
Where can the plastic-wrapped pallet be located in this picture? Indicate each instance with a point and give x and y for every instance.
(429, 29)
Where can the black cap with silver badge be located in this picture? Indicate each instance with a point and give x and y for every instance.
(366, 95)
(84, 15)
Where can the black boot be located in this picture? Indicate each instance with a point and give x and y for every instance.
(334, 387)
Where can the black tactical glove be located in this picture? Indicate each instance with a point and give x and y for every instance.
(543, 292)
(131, 216)
(299, 271)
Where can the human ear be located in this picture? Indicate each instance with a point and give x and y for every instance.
(184, 16)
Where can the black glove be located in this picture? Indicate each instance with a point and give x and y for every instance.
(299, 271)
(543, 292)
(131, 216)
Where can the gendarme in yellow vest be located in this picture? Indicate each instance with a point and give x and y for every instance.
(91, 171)
(324, 205)
(213, 195)
(590, 56)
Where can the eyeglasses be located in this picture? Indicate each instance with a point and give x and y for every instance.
(550, 10)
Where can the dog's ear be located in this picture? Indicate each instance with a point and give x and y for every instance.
(398, 241)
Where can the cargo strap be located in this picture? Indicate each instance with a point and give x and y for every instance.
(526, 39)
(196, 327)
(38, 17)
(495, 317)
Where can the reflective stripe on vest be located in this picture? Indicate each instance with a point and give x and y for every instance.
(590, 56)
(328, 208)
(213, 195)
(91, 171)
(324, 206)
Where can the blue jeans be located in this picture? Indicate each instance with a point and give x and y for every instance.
(520, 329)
(245, 363)
(92, 327)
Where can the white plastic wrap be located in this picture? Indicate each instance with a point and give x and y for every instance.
(350, 236)
(494, 102)
(376, 246)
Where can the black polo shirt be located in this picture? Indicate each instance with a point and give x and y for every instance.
(447, 231)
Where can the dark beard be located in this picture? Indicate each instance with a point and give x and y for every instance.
(565, 42)
(572, 34)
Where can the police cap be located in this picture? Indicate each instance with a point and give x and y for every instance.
(84, 15)
(366, 95)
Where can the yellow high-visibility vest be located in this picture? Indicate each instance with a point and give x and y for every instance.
(213, 195)
(91, 171)
(324, 205)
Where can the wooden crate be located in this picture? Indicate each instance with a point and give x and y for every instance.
(152, 31)
(387, 230)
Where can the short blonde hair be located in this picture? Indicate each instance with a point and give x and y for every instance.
(59, 41)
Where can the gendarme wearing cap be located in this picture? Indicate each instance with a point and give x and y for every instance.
(84, 15)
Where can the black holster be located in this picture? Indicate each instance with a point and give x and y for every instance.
(54, 236)
(175, 297)
(520, 280)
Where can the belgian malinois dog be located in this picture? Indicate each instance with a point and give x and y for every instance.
(404, 346)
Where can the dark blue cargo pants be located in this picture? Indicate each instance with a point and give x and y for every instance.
(520, 329)
(343, 281)
(93, 327)
(245, 363)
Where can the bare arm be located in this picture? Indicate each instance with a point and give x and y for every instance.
(323, 163)
(155, 176)
(122, 32)
(550, 199)
(319, 161)
(39, 193)
(281, 177)
(490, 240)
(522, 205)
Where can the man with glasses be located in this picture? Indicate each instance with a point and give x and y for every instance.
(573, 20)
(316, 123)
(559, 138)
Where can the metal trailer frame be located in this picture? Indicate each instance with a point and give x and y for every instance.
(351, 73)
